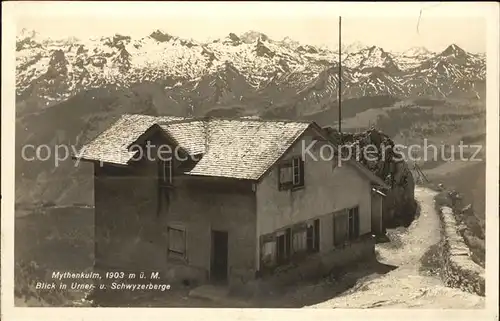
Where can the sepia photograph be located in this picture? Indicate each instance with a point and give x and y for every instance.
(251, 156)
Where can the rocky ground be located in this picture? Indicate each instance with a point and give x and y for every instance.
(415, 282)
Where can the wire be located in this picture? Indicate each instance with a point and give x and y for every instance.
(425, 8)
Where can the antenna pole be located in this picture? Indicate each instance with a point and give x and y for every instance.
(340, 75)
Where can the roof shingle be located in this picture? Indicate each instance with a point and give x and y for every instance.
(190, 134)
(232, 148)
(111, 146)
(245, 149)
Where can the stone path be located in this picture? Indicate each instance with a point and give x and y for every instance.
(410, 284)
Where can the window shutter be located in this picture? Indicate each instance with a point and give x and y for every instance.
(353, 223)
(310, 238)
(301, 169)
(176, 242)
(341, 226)
(356, 222)
(316, 235)
(280, 249)
(288, 242)
(296, 171)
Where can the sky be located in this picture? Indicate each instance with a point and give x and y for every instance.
(439, 25)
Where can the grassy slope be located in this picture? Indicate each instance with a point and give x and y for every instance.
(470, 181)
(72, 123)
(60, 239)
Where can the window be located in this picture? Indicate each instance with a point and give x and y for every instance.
(345, 226)
(286, 175)
(291, 174)
(298, 168)
(176, 242)
(268, 253)
(313, 236)
(299, 239)
(166, 172)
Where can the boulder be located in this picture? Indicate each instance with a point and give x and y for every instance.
(376, 151)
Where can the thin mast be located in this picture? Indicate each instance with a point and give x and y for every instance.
(340, 75)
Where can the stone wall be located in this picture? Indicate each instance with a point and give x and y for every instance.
(459, 270)
(315, 266)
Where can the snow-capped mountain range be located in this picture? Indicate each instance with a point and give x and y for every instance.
(70, 90)
(236, 68)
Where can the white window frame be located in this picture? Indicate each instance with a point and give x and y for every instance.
(296, 174)
(301, 238)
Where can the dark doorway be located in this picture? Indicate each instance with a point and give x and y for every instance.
(218, 267)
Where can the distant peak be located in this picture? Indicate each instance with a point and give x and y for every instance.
(160, 36)
(416, 51)
(375, 48)
(159, 31)
(453, 49)
(27, 33)
(26, 39)
(233, 37)
(252, 36)
(308, 48)
(290, 42)
(354, 47)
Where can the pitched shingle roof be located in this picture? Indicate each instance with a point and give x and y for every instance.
(236, 148)
(242, 148)
(111, 146)
(190, 134)
(245, 148)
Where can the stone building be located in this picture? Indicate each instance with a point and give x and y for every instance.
(239, 201)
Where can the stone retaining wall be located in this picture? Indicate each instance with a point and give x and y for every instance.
(459, 270)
